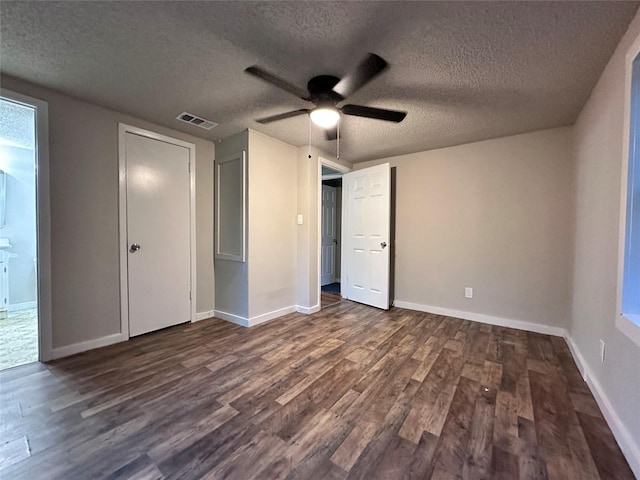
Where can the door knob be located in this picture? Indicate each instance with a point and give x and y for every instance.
(383, 244)
(134, 247)
(335, 241)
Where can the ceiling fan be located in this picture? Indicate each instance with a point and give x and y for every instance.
(326, 91)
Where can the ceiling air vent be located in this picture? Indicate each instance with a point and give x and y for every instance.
(195, 120)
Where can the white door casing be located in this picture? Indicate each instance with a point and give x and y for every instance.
(366, 234)
(341, 168)
(43, 274)
(159, 276)
(328, 235)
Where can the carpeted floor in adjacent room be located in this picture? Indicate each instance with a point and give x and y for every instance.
(19, 338)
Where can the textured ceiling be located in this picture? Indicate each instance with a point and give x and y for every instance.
(17, 124)
(464, 71)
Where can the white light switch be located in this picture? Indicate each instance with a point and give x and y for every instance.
(299, 219)
(468, 292)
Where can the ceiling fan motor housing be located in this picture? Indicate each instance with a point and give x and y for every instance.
(321, 90)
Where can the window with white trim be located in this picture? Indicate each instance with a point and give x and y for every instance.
(631, 275)
(629, 307)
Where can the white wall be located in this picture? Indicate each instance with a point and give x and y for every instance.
(272, 225)
(598, 135)
(83, 156)
(492, 215)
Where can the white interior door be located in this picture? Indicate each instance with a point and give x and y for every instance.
(329, 235)
(158, 234)
(366, 213)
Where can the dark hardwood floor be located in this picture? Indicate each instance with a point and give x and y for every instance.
(349, 392)
(328, 298)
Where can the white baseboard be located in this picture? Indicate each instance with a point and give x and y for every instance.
(15, 307)
(307, 310)
(629, 447)
(482, 318)
(577, 356)
(265, 317)
(204, 315)
(230, 317)
(88, 345)
(250, 322)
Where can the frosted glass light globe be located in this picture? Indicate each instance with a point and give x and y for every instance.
(325, 117)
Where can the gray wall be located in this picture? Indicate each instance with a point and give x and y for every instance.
(598, 151)
(83, 156)
(232, 277)
(493, 215)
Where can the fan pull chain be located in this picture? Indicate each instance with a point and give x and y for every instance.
(338, 142)
(309, 153)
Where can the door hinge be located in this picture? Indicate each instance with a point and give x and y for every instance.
(189, 167)
(189, 294)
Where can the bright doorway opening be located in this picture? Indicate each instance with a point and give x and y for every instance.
(19, 279)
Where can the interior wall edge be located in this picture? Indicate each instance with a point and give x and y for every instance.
(255, 320)
(265, 317)
(80, 347)
(230, 317)
(307, 310)
(204, 315)
(630, 449)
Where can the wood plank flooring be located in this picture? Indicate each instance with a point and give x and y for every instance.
(349, 392)
(328, 298)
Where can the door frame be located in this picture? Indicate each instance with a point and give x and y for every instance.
(43, 218)
(335, 227)
(123, 129)
(344, 169)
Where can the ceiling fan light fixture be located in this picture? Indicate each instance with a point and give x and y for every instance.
(325, 117)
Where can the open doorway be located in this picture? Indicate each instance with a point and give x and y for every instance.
(330, 235)
(18, 239)
(24, 220)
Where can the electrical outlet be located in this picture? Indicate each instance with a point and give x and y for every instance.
(602, 350)
(468, 292)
